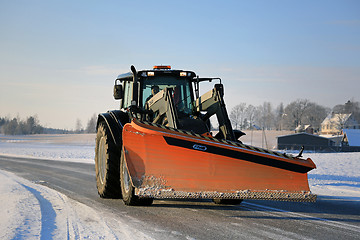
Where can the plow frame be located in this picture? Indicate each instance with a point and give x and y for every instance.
(158, 178)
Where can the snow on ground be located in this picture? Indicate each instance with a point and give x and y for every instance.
(337, 175)
(33, 211)
(64, 147)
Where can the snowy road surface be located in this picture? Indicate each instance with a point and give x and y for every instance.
(43, 199)
(34, 211)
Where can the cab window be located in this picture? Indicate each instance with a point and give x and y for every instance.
(128, 90)
(180, 86)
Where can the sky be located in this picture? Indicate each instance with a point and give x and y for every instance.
(59, 59)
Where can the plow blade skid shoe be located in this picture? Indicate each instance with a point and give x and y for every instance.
(170, 163)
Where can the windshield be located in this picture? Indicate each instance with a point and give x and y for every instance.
(181, 91)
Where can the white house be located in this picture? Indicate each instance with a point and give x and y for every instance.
(334, 122)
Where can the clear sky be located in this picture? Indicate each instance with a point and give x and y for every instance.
(59, 59)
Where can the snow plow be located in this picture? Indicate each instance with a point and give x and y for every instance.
(159, 145)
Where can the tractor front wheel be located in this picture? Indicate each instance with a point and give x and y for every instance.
(127, 189)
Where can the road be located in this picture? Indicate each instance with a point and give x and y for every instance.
(328, 218)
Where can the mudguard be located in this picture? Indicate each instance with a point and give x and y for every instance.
(115, 120)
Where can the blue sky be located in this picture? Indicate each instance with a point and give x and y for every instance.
(59, 59)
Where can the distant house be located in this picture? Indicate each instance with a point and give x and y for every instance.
(304, 128)
(351, 140)
(334, 122)
(309, 141)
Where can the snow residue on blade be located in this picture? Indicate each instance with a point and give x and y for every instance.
(34, 211)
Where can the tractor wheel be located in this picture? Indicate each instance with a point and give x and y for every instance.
(227, 201)
(107, 161)
(127, 189)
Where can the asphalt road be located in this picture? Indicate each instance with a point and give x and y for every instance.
(328, 218)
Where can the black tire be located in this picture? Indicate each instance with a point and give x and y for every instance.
(107, 161)
(128, 190)
(227, 201)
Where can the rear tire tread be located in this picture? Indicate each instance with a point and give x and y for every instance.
(111, 186)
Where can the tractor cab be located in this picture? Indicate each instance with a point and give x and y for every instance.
(166, 97)
(158, 79)
(162, 78)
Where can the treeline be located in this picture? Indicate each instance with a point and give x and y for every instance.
(17, 126)
(243, 116)
(90, 126)
(31, 125)
(300, 112)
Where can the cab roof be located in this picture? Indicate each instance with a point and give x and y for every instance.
(156, 71)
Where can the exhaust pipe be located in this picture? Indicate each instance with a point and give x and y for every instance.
(135, 87)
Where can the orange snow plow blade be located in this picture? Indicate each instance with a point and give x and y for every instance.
(169, 163)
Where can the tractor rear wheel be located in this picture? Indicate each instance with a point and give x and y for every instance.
(107, 161)
(127, 189)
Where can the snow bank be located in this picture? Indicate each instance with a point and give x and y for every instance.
(33, 211)
(39, 212)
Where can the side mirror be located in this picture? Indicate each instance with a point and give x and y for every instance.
(118, 94)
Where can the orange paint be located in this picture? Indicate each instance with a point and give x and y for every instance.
(196, 167)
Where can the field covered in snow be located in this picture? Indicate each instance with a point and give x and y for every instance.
(64, 147)
(337, 175)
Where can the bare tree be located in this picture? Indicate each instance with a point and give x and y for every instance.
(250, 115)
(10, 127)
(302, 111)
(91, 125)
(341, 120)
(32, 125)
(264, 116)
(279, 116)
(78, 126)
(352, 107)
(349, 107)
(237, 115)
(294, 113)
(314, 115)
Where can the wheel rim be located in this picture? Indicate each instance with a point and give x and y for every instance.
(102, 159)
(126, 178)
